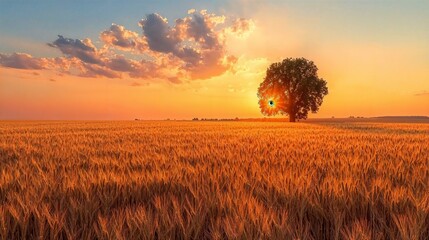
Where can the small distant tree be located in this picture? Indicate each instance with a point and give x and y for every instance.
(292, 88)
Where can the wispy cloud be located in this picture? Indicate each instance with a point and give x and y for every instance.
(422, 93)
(139, 84)
(194, 47)
(22, 61)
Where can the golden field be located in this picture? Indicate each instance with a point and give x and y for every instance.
(214, 180)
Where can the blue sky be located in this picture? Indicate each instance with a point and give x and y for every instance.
(42, 21)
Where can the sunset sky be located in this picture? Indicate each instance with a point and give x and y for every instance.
(184, 59)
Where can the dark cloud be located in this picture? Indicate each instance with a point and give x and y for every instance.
(189, 55)
(199, 29)
(121, 64)
(159, 35)
(84, 50)
(192, 48)
(22, 61)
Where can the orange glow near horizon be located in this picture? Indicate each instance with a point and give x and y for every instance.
(366, 76)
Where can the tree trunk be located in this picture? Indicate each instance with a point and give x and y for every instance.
(292, 112)
(291, 117)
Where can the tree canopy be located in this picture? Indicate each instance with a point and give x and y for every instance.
(291, 87)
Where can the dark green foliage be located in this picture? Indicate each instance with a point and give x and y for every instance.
(295, 85)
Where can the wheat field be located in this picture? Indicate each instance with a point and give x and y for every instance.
(213, 180)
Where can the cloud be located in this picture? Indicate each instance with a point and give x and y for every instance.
(198, 28)
(121, 64)
(174, 80)
(242, 27)
(137, 84)
(136, 69)
(195, 40)
(422, 93)
(206, 54)
(159, 35)
(92, 70)
(22, 61)
(192, 47)
(117, 36)
(82, 49)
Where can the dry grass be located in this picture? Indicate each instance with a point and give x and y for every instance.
(213, 180)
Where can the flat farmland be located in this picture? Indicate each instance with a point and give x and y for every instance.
(213, 180)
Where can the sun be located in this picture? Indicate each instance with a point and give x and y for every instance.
(272, 101)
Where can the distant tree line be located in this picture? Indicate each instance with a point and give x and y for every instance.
(216, 119)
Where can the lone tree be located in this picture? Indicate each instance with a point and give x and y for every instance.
(291, 87)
